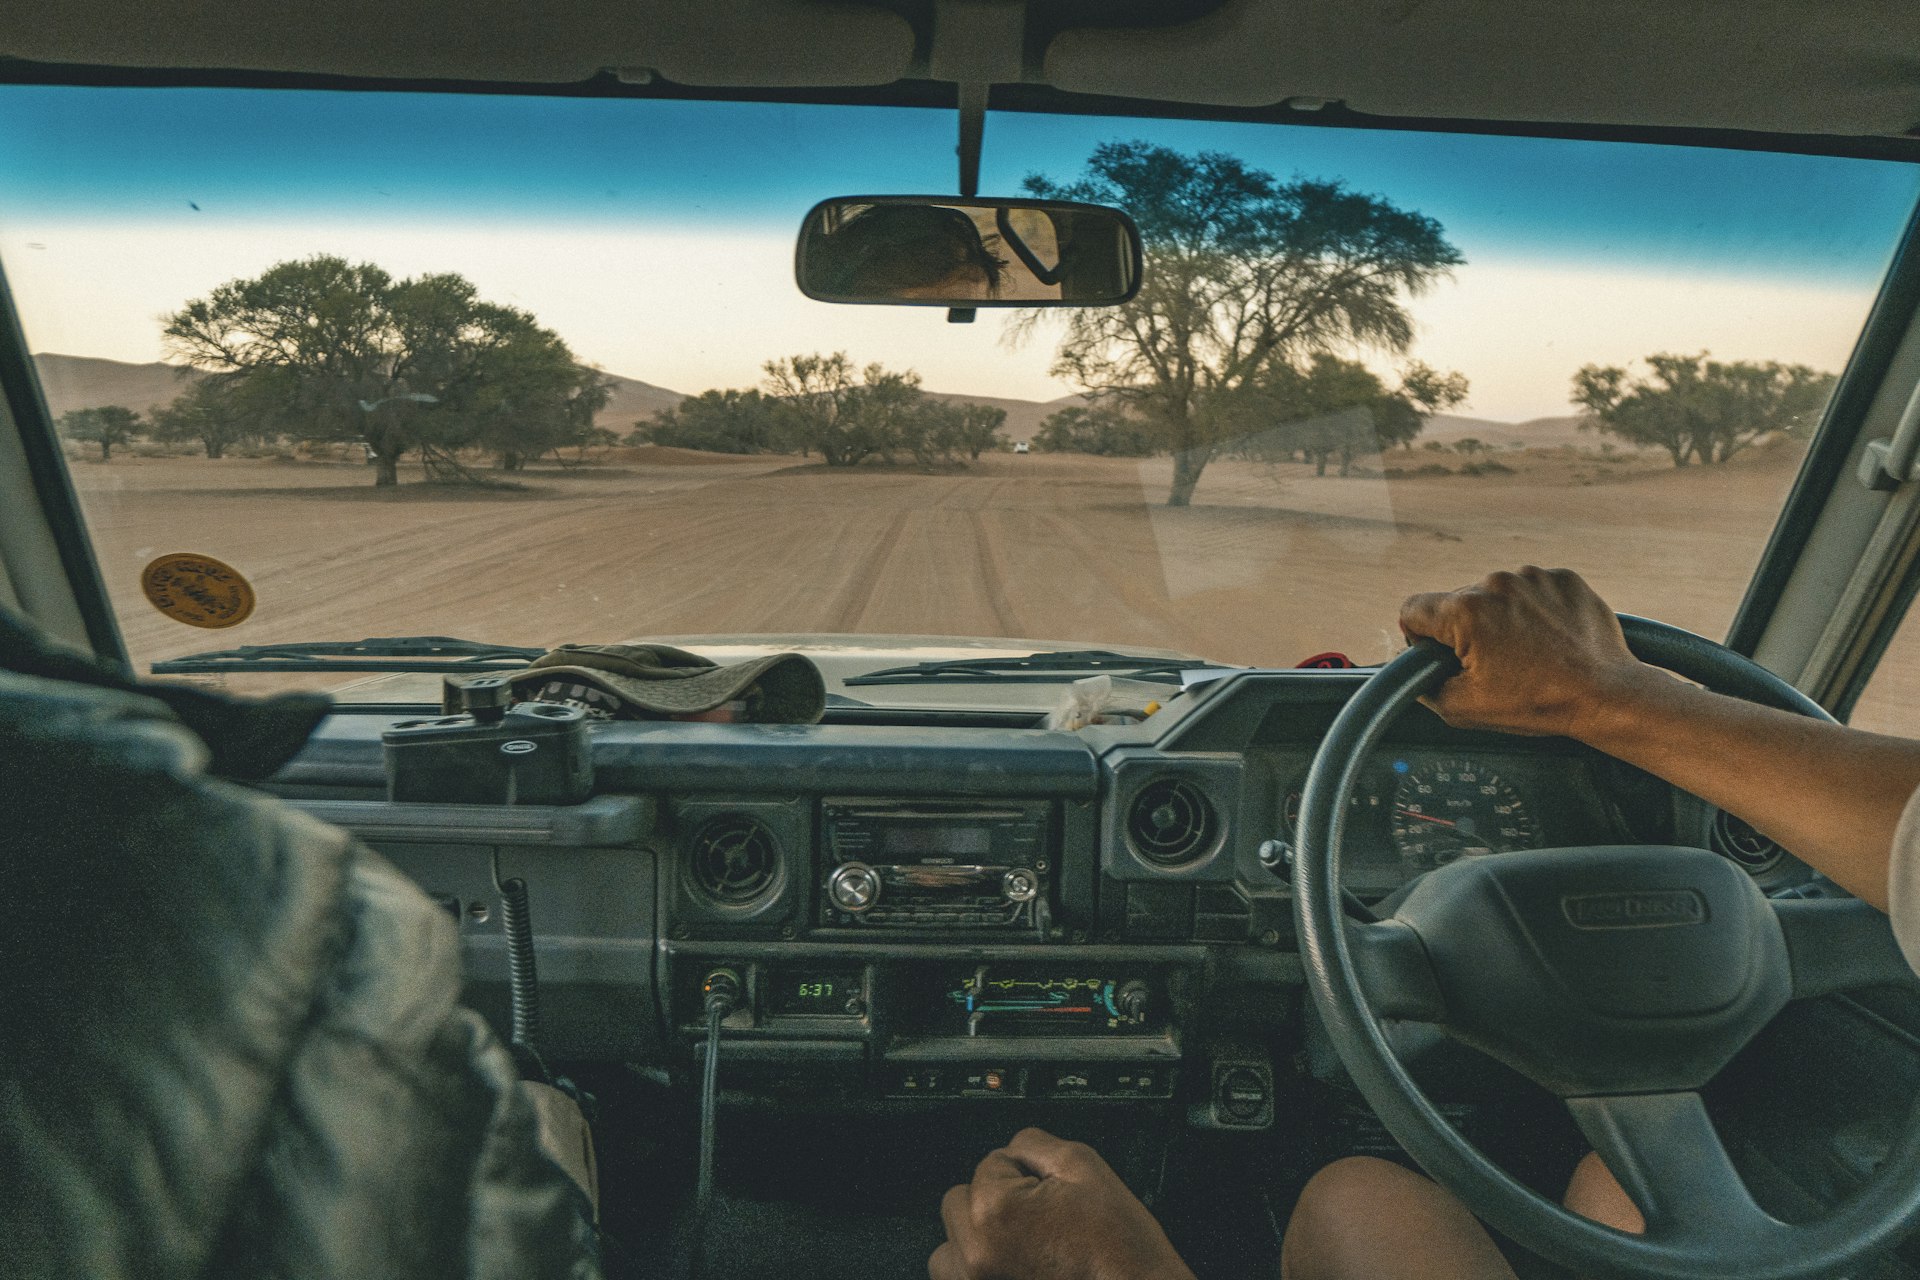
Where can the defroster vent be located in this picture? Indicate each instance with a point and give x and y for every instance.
(735, 860)
(1738, 841)
(1172, 822)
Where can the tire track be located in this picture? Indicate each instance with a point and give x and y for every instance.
(864, 581)
(1127, 589)
(995, 574)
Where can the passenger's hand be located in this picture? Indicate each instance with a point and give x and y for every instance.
(1540, 653)
(1041, 1208)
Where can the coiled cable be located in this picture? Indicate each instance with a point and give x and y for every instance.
(523, 978)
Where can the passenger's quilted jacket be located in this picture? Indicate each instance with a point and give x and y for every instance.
(230, 1037)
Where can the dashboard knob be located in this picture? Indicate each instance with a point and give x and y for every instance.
(854, 887)
(1020, 885)
(1134, 998)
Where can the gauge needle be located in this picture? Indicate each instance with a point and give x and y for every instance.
(1438, 822)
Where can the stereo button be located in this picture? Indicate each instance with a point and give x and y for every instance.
(854, 887)
(1073, 1082)
(989, 1082)
(919, 1082)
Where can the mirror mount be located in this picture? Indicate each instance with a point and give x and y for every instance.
(973, 132)
(973, 136)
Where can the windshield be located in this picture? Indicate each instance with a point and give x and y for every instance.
(530, 371)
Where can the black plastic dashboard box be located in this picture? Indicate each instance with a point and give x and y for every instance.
(533, 753)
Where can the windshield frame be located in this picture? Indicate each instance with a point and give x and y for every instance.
(1823, 466)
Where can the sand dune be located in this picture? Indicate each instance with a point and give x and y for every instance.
(1450, 428)
(87, 382)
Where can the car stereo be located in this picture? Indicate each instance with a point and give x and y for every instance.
(935, 865)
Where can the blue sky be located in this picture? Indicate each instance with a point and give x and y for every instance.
(360, 173)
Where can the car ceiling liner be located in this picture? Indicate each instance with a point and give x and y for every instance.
(1838, 67)
(1841, 67)
(715, 43)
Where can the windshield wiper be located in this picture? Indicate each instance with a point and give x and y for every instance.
(1037, 668)
(397, 653)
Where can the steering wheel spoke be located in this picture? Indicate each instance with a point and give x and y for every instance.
(1395, 972)
(1668, 1157)
(1839, 944)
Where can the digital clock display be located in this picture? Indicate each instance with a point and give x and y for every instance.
(937, 839)
(818, 993)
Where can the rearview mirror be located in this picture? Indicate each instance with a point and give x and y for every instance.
(944, 251)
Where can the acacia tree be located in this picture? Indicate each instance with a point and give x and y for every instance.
(1097, 429)
(213, 411)
(848, 414)
(1329, 407)
(977, 429)
(1697, 408)
(719, 421)
(342, 351)
(1242, 272)
(523, 395)
(105, 425)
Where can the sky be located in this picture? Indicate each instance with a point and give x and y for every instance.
(656, 237)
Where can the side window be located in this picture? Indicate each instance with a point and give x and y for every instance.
(1891, 701)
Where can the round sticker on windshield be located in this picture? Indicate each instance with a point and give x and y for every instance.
(197, 590)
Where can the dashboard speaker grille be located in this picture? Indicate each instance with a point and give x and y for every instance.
(1171, 822)
(734, 859)
(1734, 839)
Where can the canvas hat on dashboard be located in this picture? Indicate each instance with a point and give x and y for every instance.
(651, 681)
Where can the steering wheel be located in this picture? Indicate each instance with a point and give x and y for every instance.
(1621, 978)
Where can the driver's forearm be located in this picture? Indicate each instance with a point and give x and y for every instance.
(1830, 794)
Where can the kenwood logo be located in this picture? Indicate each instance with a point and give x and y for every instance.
(1647, 909)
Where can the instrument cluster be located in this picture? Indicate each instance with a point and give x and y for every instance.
(1416, 810)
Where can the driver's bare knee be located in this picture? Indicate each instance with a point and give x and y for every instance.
(1364, 1217)
(1593, 1192)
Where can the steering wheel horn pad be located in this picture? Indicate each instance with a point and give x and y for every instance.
(1602, 970)
(1622, 978)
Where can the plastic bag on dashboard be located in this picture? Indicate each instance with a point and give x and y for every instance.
(1104, 700)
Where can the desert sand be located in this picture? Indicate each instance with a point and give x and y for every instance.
(1269, 565)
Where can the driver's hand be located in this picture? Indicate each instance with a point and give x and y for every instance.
(1539, 652)
(1041, 1208)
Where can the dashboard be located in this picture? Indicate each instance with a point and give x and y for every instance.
(919, 913)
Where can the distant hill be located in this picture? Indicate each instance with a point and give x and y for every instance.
(631, 401)
(1023, 416)
(1533, 433)
(87, 382)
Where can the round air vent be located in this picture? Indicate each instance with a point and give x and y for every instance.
(1734, 839)
(735, 860)
(1171, 822)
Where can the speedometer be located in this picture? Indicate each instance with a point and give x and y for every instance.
(1452, 809)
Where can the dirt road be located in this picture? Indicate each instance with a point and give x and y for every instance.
(1267, 566)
